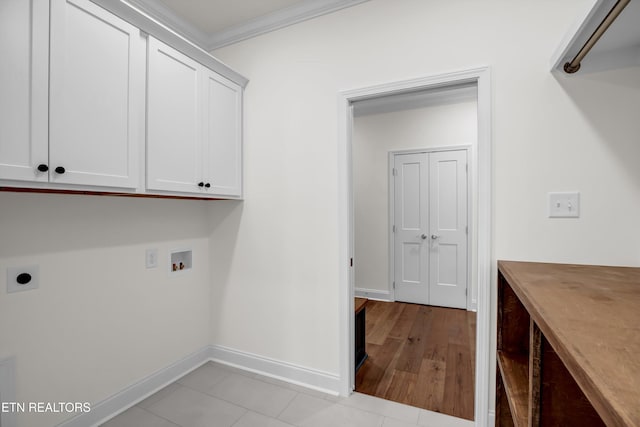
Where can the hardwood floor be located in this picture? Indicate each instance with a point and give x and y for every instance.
(420, 355)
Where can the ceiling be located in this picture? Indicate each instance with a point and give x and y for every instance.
(218, 15)
(215, 23)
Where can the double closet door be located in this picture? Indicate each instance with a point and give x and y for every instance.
(430, 205)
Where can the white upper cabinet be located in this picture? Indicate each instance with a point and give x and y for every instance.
(193, 126)
(24, 74)
(174, 140)
(76, 80)
(96, 94)
(223, 135)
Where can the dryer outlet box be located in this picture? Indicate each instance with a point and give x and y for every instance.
(23, 278)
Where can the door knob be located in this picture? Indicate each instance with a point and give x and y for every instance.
(60, 170)
(43, 168)
(434, 236)
(423, 236)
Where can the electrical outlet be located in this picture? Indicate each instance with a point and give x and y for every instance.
(151, 258)
(564, 205)
(23, 278)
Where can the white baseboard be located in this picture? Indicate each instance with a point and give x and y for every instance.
(491, 419)
(373, 294)
(123, 400)
(306, 377)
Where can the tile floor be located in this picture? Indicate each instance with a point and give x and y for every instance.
(216, 395)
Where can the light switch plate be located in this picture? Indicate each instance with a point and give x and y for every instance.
(564, 205)
(32, 273)
(151, 258)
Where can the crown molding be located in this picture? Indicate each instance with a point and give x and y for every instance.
(302, 11)
(278, 19)
(161, 31)
(161, 13)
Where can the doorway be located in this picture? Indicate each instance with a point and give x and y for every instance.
(410, 180)
(479, 220)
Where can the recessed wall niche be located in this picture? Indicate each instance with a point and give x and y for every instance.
(180, 261)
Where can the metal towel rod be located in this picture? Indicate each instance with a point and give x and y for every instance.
(574, 65)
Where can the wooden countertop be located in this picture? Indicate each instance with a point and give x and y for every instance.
(591, 317)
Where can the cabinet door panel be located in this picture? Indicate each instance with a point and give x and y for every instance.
(24, 76)
(95, 81)
(223, 135)
(174, 148)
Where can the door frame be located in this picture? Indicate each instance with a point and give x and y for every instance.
(480, 167)
(471, 306)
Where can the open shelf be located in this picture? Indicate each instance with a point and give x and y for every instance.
(514, 370)
(568, 345)
(512, 357)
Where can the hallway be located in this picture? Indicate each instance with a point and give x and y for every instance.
(420, 355)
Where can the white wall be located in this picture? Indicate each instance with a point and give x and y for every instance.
(280, 292)
(100, 320)
(374, 136)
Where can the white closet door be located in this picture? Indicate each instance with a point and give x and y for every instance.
(448, 229)
(95, 88)
(430, 239)
(24, 79)
(174, 140)
(223, 135)
(411, 259)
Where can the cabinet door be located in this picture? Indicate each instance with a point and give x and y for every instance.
(223, 135)
(96, 86)
(24, 76)
(174, 142)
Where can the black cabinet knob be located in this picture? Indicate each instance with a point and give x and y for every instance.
(201, 184)
(60, 170)
(43, 168)
(23, 278)
(207, 185)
